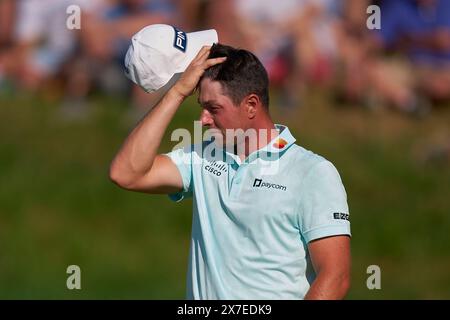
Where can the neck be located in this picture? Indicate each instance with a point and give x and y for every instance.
(265, 132)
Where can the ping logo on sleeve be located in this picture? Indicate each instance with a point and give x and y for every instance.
(341, 216)
(180, 41)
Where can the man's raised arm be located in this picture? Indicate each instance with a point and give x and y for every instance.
(137, 166)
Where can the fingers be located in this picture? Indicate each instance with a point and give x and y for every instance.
(190, 78)
(202, 61)
(202, 54)
(214, 61)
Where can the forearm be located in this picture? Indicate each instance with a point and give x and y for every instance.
(328, 287)
(136, 156)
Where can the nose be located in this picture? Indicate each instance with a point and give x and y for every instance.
(206, 118)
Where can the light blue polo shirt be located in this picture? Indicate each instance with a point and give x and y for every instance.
(252, 220)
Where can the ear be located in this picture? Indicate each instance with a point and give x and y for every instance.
(252, 104)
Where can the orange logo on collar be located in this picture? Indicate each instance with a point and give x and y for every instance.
(280, 143)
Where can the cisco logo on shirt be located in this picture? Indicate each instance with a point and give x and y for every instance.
(216, 168)
(259, 183)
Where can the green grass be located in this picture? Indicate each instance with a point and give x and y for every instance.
(57, 206)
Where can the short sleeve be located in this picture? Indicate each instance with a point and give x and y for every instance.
(323, 205)
(182, 158)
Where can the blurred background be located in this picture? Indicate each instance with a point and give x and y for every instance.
(374, 102)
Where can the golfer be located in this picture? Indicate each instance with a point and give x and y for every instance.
(270, 218)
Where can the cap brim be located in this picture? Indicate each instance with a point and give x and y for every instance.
(195, 41)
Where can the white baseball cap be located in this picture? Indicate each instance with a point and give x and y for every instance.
(160, 51)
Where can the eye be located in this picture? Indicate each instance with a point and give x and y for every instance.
(214, 108)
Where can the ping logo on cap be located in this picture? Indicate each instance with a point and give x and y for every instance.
(180, 41)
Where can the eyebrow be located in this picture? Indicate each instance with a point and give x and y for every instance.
(206, 103)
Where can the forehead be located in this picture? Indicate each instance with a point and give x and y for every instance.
(211, 90)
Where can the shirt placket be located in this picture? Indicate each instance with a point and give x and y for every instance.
(237, 180)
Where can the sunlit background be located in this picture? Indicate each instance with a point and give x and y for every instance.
(374, 102)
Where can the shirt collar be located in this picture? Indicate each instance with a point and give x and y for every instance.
(279, 144)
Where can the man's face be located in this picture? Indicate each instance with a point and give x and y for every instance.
(218, 110)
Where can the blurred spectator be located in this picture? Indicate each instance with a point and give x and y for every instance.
(7, 18)
(302, 43)
(104, 42)
(421, 30)
(354, 43)
(108, 36)
(42, 43)
(42, 48)
(190, 18)
(295, 39)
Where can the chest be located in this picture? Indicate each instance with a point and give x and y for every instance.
(248, 194)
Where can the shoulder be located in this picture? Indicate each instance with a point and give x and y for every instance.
(309, 168)
(304, 160)
(194, 151)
